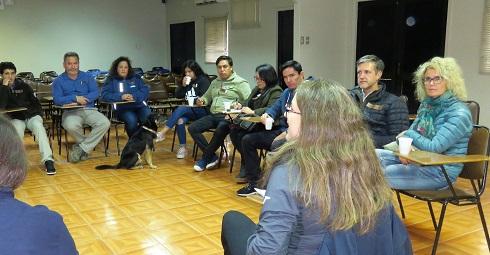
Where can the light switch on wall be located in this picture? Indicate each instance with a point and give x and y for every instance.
(302, 40)
(307, 41)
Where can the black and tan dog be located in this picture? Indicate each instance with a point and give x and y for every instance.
(139, 144)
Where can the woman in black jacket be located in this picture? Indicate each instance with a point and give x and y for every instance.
(263, 95)
(194, 84)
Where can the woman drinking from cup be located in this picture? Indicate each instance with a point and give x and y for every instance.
(194, 84)
(443, 125)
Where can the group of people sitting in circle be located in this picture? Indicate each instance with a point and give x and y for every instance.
(328, 178)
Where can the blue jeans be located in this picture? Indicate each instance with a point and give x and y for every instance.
(411, 176)
(131, 118)
(185, 113)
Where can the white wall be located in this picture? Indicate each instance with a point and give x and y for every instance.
(248, 47)
(35, 34)
(465, 19)
(331, 50)
(331, 24)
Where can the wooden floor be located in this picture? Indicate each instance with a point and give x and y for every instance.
(174, 210)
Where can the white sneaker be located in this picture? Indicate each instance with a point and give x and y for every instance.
(160, 137)
(182, 152)
(214, 162)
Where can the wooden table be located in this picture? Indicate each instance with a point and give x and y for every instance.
(48, 98)
(67, 107)
(114, 104)
(255, 119)
(427, 158)
(123, 102)
(18, 109)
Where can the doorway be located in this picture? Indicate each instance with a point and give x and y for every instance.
(182, 45)
(285, 30)
(404, 34)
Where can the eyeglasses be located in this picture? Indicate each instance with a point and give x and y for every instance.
(290, 110)
(257, 78)
(435, 79)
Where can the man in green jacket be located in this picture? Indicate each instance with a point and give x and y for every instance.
(228, 87)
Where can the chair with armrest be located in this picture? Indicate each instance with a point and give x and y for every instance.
(475, 111)
(160, 70)
(211, 77)
(475, 173)
(48, 76)
(138, 71)
(25, 76)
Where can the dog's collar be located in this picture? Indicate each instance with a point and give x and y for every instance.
(153, 131)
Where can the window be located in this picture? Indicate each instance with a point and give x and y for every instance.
(216, 38)
(485, 41)
(244, 14)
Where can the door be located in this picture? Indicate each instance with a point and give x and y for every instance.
(285, 30)
(182, 45)
(404, 33)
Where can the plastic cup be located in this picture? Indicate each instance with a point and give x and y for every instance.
(190, 100)
(227, 105)
(268, 123)
(404, 145)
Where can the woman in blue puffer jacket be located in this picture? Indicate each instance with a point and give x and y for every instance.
(443, 125)
(123, 85)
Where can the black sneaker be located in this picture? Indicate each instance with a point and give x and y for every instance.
(49, 164)
(247, 190)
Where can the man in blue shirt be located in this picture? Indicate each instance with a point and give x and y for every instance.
(292, 74)
(77, 88)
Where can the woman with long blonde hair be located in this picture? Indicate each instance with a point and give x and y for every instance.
(325, 188)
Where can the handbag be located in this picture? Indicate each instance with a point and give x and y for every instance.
(244, 124)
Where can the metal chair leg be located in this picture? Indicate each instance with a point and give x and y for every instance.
(232, 162)
(173, 140)
(222, 152)
(66, 147)
(432, 215)
(439, 227)
(400, 204)
(484, 223)
(107, 141)
(117, 141)
(194, 151)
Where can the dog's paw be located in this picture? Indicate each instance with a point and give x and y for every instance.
(153, 166)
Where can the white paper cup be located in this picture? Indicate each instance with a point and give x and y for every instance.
(227, 105)
(404, 145)
(187, 80)
(268, 123)
(190, 100)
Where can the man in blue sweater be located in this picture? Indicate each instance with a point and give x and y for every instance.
(77, 88)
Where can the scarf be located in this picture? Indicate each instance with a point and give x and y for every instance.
(429, 109)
